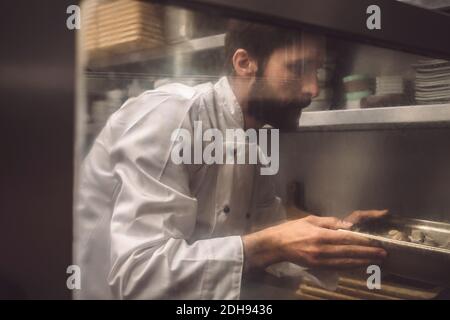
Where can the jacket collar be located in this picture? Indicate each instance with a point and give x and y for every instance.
(228, 101)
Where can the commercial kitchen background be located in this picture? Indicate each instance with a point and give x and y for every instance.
(403, 168)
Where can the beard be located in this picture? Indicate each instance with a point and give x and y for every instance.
(280, 114)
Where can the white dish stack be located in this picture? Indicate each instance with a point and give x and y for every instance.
(432, 85)
(386, 85)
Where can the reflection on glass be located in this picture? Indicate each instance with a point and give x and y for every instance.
(149, 228)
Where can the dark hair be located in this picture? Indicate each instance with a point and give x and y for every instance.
(259, 40)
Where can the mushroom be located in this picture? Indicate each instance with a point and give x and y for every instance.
(417, 236)
(397, 235)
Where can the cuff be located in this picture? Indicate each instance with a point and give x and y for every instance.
(224, 268)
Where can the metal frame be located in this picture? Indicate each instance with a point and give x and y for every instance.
(404, 27)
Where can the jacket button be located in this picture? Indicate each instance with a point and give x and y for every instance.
(248, 215)
(226, 209)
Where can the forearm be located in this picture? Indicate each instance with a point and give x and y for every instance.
(261, 249)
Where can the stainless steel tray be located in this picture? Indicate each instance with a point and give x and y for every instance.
(412, 260)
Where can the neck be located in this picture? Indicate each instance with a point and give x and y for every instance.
(241, 89)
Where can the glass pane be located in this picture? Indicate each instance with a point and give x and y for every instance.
(148, 226)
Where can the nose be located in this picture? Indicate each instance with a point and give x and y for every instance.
(311, 89)
(314, 90)
(310, 86)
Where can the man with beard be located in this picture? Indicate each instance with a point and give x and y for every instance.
(147, 228)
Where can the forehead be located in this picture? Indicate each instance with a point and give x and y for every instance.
(309, 47)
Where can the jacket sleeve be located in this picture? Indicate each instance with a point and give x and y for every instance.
(154, 216)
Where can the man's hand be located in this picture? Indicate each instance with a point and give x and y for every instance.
(312, 242)
(365, 215)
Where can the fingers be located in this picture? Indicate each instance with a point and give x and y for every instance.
(355, 217)
(345, 238)
(329, 222)
(363, 215)
(352, 251)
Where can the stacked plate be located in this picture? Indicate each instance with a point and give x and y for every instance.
(121, 25)
(389, 85)
(432, 85)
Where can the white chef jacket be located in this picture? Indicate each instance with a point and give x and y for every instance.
(146, 228)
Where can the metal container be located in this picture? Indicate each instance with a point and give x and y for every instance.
(179, 24)
(411, 260)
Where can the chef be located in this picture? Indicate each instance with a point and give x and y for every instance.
(149, 228)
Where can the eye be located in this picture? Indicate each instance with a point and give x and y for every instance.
(296, 68)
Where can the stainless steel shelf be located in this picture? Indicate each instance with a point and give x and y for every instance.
(189, 46)
(423, 115)
(346, 19)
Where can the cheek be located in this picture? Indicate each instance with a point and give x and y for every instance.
(282, 84)
(285, 82)
(275, 71)
(288, 90)
(280, 89)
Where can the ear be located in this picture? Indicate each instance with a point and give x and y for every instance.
(243, 64)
